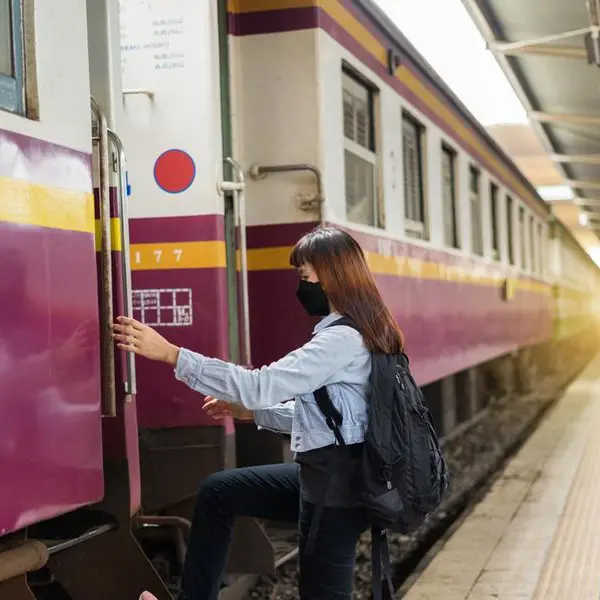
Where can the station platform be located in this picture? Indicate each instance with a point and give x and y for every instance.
(536, 533)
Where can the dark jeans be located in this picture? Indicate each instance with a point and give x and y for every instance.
(269, 492)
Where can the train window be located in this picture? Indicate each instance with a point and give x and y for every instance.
(494, 221)
(475, 201)
(532, 246)
(449, 197)
(523, 237)
(510, 230)
(414, 194)
(6, 67)
(11, 56)
(359, 153)
(540, 252)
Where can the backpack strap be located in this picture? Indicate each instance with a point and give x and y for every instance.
(346, 321)
(380, 561)
(333, 417)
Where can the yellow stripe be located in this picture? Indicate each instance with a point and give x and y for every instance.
(534, 286)
(212, 255)
(243, 6)
(563, 290)
(371, 44)
(115, 235)
(403, 266)
(25, 203)
(270, 259)
(179, 255)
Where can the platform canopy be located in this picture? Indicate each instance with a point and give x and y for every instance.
(550, 52)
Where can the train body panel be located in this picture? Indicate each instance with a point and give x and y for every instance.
(175, 162)
(285, 126)
(51, 448)
(576, 284)
(455, 313)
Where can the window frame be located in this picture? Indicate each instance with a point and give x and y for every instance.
(366, 153)
(522, 222)
(495, 221)
(541, 250)
(12, 86)
(415, 229)
(532, 244)
(510, 229)
(455, 242)
(476, 195)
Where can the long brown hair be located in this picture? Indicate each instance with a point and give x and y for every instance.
(342, 269)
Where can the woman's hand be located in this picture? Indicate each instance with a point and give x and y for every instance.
(132, 336)
(219, 409)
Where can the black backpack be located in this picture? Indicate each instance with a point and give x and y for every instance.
(402, 474)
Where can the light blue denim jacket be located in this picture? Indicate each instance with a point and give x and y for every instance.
(335, 357)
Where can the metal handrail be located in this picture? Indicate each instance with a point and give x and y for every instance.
(121, 169)
(259, 172)
(109, 393)
(238, 187)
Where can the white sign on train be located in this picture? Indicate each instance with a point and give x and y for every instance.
(169, 51)
(152, 38)
(163, 307)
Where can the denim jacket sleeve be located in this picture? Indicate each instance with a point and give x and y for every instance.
(300, 372)
(278, 418)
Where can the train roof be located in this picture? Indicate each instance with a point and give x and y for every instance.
(399, 42)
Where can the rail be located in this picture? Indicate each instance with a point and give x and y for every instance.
(109, 395)
(121, 170)
(237, 187)
(261, 171)
(56, 547)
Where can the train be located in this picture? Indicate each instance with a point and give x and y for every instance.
(160, 160)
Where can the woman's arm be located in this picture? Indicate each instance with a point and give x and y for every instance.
(276, 418)
(300, 372)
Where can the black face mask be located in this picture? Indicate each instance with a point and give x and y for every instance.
(313, 298)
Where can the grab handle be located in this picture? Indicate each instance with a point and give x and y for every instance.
(121, 170)
(237, 188)
(109, 392)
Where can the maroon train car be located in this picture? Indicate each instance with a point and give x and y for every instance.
(161, 160)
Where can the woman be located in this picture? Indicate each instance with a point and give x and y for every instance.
(334, 281)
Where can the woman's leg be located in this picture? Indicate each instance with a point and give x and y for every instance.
(266, 491)
(327, 571)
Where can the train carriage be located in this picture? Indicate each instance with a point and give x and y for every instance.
(160, 159)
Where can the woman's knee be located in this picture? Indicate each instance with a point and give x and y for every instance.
(214, 490)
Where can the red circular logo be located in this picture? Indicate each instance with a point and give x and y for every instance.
(174, 171)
